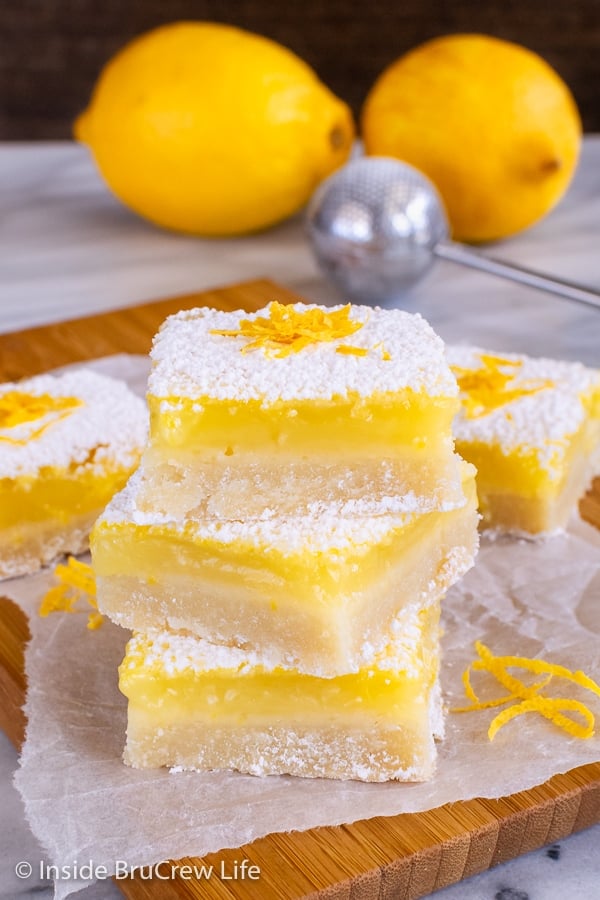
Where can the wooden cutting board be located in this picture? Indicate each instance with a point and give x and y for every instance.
(401, 857)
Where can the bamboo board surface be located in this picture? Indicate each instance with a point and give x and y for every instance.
(401, 857)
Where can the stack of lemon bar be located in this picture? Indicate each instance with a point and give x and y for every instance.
(283, 549)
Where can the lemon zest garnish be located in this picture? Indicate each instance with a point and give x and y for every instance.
(477, 704)
(288, 331)
(536, 666)
(549, 707)
(347, 350)
(19, 408)
(531, 700)
(491, 386)
(95, 620)
(76, 583)
(385, 353)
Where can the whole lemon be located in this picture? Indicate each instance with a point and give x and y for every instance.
(209, 129)
(488, 121)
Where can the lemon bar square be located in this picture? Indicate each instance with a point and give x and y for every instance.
(532, 429)
(67, 444)
(320, 591)
(194, 705)
(303, 393)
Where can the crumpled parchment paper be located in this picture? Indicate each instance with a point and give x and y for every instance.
(84, 805)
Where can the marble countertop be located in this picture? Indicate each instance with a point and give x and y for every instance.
(68, 249)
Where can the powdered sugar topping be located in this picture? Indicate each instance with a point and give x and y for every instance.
(99, 423)
(402, 351)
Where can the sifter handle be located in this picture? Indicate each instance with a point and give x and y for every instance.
(459, 253)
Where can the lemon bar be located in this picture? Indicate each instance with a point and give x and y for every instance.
(532, 429)
(305, 393)
(67, 444)
(319, 590)
(194, 705)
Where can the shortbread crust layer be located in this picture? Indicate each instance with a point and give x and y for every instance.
(28, 547)
(270, 488)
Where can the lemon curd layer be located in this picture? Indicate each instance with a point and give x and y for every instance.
(374, 426)
(532, 429)
(320, 590)
(67, 444)
(300, 380)
(45, 517)
(196, 705)
(58, 495)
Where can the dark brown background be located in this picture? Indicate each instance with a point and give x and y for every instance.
(52, 50)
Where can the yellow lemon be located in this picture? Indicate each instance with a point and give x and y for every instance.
(488, 121)
(208, 129)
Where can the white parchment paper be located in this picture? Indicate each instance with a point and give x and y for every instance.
(85, 805)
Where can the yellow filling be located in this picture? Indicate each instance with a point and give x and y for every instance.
(55, 494)
(515, 473)
(325, 577)
(380, 425)
(254, 695)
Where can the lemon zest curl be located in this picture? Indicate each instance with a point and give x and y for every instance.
(76, 583)
(348, 350)
(18, 408)
(493, 385)
(528, 696)
(288, 331)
